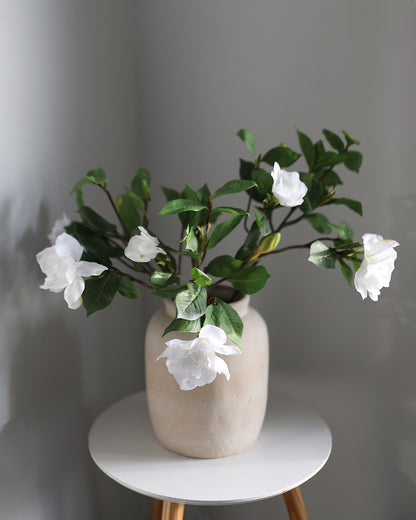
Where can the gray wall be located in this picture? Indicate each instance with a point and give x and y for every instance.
(166, 85)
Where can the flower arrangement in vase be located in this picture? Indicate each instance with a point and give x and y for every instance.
(92, 259)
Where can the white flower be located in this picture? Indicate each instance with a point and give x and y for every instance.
(376, 267)
(143, 247)
(64, 271)
(194, 363)
(287, 187)
(58, 228)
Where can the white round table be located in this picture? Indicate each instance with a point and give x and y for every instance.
(293, 446)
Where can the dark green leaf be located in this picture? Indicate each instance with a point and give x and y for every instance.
(99, 292)
(262, 222)
(176, 206)
(200, 277)
(169, 292)
(223, 315)
(328, 159)
(246, 168)
(189, 194)
(99, 250)
(353, 160)
(319, 222)
(191, 303)
(95, 221)
(312, 197)
(308, 149)
(215, 213)
(162, 279)
(250, 243)
(127, 288)
(180, 325)
(251, 280)
(128, 213)
(135, 200)
(322, 256)
(281, 154)
(349, 139)
(170, 194)
(248, 139)
(235, 186)
(264, 182)
(354, 205)
(204, 194)
(97, 176)
(334, 140)
(331, 179)
(346, 271)
(223, 266)
(141, 184)
(346, 244)
(220, 231)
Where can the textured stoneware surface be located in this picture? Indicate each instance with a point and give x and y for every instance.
(219, 419)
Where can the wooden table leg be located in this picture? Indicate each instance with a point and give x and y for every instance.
(172, 511)
(295, 505)
(156, 513)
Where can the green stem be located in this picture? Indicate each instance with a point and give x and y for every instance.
(110, 198)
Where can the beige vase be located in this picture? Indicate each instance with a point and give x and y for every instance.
(219, 419)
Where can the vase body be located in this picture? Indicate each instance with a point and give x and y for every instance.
(219, 419)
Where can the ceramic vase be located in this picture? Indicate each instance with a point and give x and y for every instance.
(221, 418)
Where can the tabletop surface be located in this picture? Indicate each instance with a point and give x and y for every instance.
(293, 446)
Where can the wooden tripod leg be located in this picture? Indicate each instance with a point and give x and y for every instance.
(172, 511)
(156, 513)
(295, 505)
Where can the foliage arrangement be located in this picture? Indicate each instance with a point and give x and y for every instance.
(92, 259)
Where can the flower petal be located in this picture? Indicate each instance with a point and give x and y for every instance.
(213, 334)
(68, 246)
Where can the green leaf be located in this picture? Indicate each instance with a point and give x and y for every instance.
(97, 176)
(267, 245)
(246, 168)
(169, 249)
(224, 316)
(224, 266)
(176, 206)
(321, 255)
(220, 231)
(95, 221)
(235, 186)
(190, 239)
(189, 194)
(353, 160)
(262, 222)
(346, 271)
(191, 303)
(334, 140)
(127, 288)
(281, 154)
(331, 179)
(347, 245)
(319, 222)
(96, 246)
(135, 200)
(251, 280)
(169, 292)
(162, 279)
(308, 149)
(204, 194)
(264, 182)
(248, 139)
(180, 325)
(128, 213)
(200, 277)
(170, 194)
(215, 213)
(328, 159)
(99, 292)
(349, 139)
(250, 244)
(312, 197)
(354, 205)
(141, 184)
(166, 262)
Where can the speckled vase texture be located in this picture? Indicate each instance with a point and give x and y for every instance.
(219, 419)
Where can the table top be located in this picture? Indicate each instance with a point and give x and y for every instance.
(293, 446)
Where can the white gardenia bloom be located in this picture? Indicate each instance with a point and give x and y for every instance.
(377, 265)
(287, 187)
(143, 247)
(64, 270)
(58, 228)
(194, 363)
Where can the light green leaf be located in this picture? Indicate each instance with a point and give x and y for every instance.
(321, 255)
(267, 245)
(135, 200)
(235, 186)
(191, 303)
(349, 139)
(97, 176)
(200, 277)
(162, 279)
(180, 325)
(248, 139)
(176, 206)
